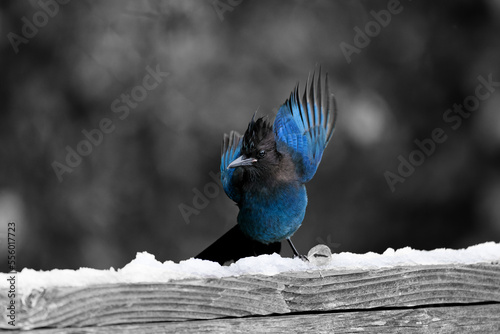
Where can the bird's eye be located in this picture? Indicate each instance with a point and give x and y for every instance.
(261, 154)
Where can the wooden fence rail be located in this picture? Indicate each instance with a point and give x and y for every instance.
(408, 299)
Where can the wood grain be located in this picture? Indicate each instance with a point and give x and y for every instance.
(202, 299)
(457, 319)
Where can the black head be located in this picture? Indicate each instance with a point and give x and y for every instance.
(259, 156)
(258, 133)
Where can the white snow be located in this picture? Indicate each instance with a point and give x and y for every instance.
(145, 268)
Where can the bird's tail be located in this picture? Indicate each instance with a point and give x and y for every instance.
(234, 245)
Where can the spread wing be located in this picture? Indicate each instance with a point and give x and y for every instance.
(231, 149)
(304, 127)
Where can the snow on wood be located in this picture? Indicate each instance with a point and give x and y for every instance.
(147, 291)
(146, 269)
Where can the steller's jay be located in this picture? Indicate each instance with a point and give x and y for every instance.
(265, 171)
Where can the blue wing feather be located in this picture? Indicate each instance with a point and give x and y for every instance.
(304, 128)
(231, 149)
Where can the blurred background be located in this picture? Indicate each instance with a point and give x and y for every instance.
(113, 114)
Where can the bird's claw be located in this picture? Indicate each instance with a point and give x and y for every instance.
(302, 257)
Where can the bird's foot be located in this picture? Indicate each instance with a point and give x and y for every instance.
(295, 252)
(302, 257)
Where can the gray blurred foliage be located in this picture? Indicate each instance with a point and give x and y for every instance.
(124, 196)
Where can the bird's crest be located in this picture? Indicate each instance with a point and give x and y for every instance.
(257, 130)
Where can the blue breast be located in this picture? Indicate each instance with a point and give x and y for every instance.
(272, 214)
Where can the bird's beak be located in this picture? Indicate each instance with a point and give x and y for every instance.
(241, 161)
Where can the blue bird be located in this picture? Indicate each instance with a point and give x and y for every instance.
(265, 171)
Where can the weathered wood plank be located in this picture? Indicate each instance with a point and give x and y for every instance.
(258, 295)
(456, 319)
